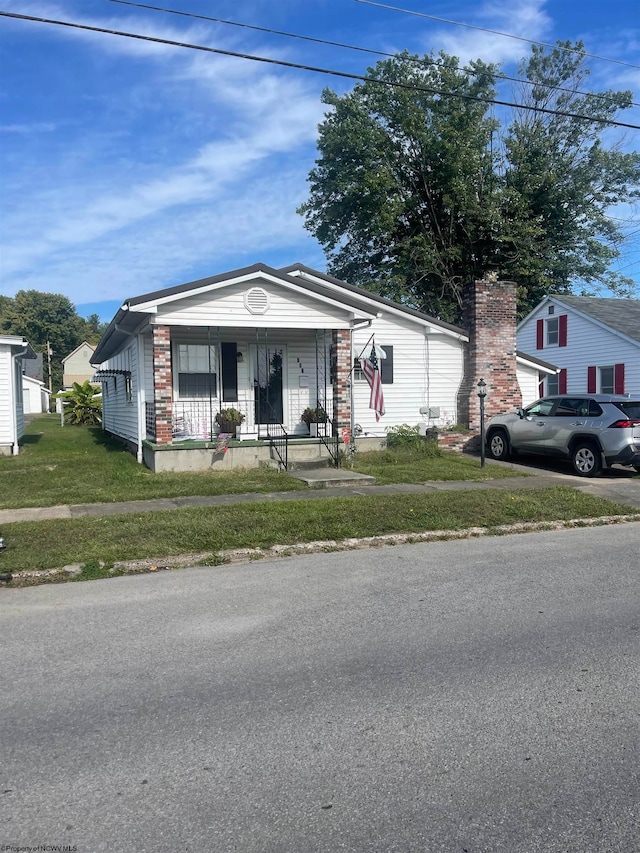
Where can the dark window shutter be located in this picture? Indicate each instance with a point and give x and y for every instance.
(618, 379)
(562, 330)
(591, 380)
(540, 334)
(562, 381)
(229, 353)
(386, 366)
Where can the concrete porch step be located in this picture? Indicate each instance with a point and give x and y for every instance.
(310, 464)
(324, 478)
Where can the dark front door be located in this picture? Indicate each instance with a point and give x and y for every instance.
(268, 385)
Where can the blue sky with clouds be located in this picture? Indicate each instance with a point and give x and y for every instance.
(128, 166)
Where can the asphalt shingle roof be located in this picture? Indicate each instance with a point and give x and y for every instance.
(623, 315)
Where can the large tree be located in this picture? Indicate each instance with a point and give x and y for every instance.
(44, 318)
(418, 187)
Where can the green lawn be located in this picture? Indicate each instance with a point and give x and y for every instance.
(406, 466)
(73, 465)
(77, 464)
(52, 544)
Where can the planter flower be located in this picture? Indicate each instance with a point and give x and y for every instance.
(312, 417)
(228, 420)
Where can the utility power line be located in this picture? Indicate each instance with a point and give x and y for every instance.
(329, 71)
(368, 50)
(495, 32)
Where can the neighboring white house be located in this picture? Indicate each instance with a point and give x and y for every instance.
(77, 366)
(13, 349)
(595, 342)
(272, 343)
(35, 396)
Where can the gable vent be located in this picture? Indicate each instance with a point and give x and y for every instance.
(256, 300)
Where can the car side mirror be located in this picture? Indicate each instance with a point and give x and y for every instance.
(521, 413)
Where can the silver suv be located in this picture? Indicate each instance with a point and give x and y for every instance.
(592, 430)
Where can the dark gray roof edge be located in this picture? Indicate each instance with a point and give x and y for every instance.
(535, 360)
(383, 300)
(201, 282)
(97, 356)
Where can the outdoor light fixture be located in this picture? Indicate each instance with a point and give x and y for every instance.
(239, 357)
(482, 393)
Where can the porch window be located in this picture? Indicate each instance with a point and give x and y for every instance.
(196, 376)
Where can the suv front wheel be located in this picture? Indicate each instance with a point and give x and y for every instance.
(499, 444)
(586, 460)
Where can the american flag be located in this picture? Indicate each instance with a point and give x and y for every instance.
(371, 371)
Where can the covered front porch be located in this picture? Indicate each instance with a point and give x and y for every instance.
(232, 394)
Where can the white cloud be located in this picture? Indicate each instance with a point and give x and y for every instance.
(525, 18)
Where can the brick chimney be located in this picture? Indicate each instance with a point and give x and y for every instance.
(489, 316)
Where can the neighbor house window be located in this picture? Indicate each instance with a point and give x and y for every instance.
(551, 332)
(196, 376)
(606, 380)
(557, 384)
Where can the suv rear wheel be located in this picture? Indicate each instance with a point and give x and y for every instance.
(586, 459)
(499, 444)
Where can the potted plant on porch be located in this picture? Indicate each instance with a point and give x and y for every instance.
(229, 420)
(312, 416)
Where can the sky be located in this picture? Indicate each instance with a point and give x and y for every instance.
(127, 166)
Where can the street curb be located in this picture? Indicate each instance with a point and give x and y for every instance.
(248, 555)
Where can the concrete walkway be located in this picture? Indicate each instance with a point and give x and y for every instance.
(620, 485)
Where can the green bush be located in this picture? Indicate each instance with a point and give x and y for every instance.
(405, 437)
(82, 405)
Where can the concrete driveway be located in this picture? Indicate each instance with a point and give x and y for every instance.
(620, 483)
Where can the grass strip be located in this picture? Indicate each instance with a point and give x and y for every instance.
(53, 544)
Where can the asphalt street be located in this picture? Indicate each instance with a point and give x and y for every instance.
(472, 697)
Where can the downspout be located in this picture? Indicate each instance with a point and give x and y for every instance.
(15, 449)
(142, 415)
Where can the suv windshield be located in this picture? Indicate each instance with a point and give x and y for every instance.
(631, 408)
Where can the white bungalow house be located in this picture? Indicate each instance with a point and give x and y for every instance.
(594, 342)
(273, 342)
(13, 350)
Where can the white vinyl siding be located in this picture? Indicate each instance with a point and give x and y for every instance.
(6, 397)
(529, 383)
(119, 410)
(427, 372)
(226, 307)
